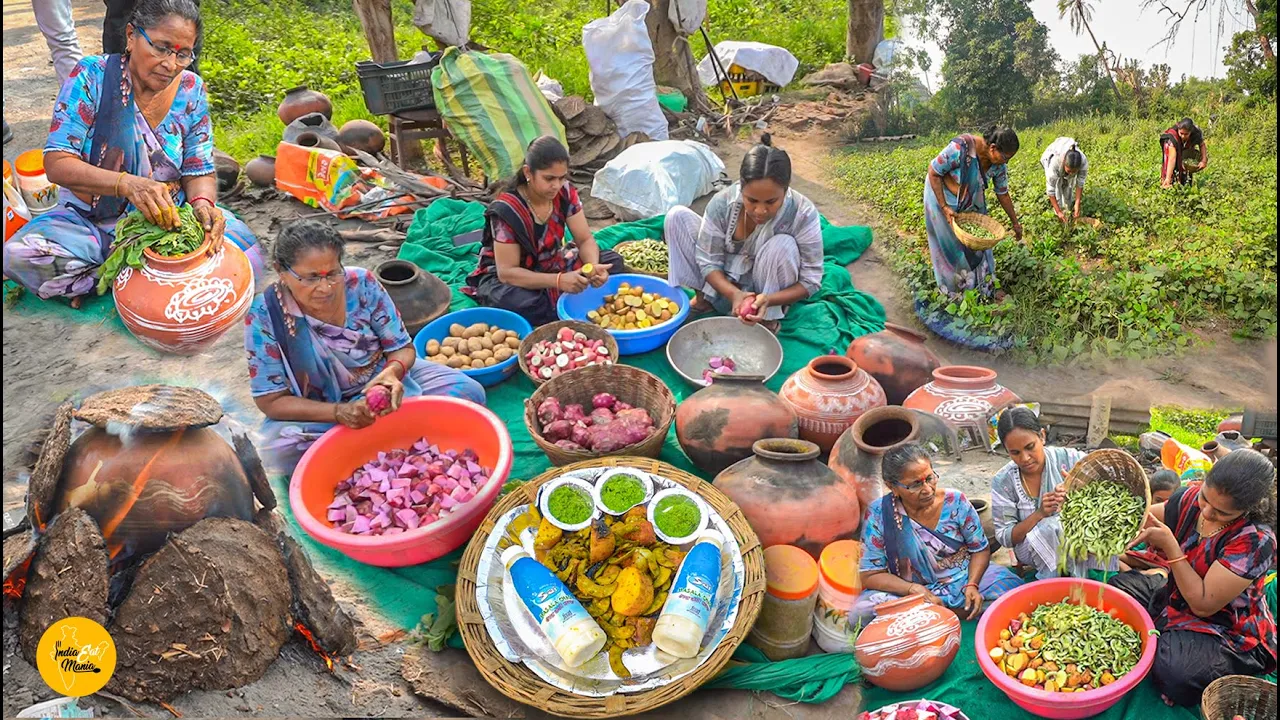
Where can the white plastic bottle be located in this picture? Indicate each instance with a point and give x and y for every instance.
(576, 636)
(687, 611)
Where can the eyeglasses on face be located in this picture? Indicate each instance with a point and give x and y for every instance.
(333, 277)
(931, 480)
(163, 52)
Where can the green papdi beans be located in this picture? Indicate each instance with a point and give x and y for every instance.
(648, 256)
(1087, 637)
(1099, 519)
(135, 234)
(977, 230)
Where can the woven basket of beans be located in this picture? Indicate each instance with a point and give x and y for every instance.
(1234, 696)
(627, 384)
(1110, 465)
(625, 248)
(990, 225)
(548, 332)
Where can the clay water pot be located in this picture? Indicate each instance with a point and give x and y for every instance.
(790, 498)
(227, 170)
(982, 505)
(965, 396)
(828, 395)
(303, 101)
(908, 645)
(310, 140)
(420, 297)
(183, 304)
(717, 425)
(261, 171)
(313, 123)
(897, 358)
(145, 485)
(361, 135)
(1214, 450)
(857, 455)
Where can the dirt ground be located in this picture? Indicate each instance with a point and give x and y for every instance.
(47, 361)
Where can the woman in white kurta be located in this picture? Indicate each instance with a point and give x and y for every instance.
(1065, 169)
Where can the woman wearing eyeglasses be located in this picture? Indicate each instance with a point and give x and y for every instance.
(921, 539)
(129, 131)
(320, 337)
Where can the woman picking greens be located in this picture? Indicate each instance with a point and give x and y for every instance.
(1065, 169)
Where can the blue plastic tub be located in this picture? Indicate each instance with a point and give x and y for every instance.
(438, 329)
(630, 342)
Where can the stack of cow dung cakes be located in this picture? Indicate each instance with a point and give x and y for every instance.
(593, 137)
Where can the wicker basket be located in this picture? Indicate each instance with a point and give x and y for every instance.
(976, 243)
(520, 684)
(1232, 695)
(618, 249)
(548, 332)
(1111, 465)
(628, 384)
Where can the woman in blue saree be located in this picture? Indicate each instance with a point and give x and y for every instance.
(129, 132)
(924, 540)
(957, 183)
(320, 337)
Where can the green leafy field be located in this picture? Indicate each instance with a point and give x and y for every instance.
(1165, 261)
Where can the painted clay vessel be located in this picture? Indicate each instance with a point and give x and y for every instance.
(362, 135)
(303, 101)
(145, 485)
(857, 455)
(908, 645)
(828, 395)
(965, 396)
(181, 305)
(790, 498)
(897, 358)
(717, 425)
(419, 296)
(261, 171)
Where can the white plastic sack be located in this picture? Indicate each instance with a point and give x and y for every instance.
(551, 88)
(776, 64)
(651, 178)
(882, 58)
(687, 15)
(446, 21)
(621, 61)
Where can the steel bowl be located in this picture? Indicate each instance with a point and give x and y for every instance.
(754, 350)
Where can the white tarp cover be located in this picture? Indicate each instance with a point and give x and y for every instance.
(620, 57)
(776, 64)
(448, 21)
(551, 88)
(651, 178)
(687, 15)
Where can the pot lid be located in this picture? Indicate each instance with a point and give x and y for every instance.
(790, 573)
(156, 408)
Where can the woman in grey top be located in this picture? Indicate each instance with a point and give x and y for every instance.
(1065, 169)
(760, 241)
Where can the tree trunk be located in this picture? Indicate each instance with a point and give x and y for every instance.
(1263, 40)
(379, 32)
(1102, 56)
(865, 30)
(673, 63)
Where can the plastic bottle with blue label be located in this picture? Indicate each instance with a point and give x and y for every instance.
(576, 636)
(692, 599)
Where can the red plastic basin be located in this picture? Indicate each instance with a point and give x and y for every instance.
(451, 424)
(1064, 706)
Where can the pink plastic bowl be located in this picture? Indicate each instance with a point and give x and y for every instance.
(449, 423)
(1064, 706)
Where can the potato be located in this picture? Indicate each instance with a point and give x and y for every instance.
(485, 342)
(482, 355)
(548, 535)
(450, 342)
(477, 364)
(498, 336)
(474, 344)
(448, 351)
(475, 330)
(490, 362)
(502, 353)
(456, 330)
(433, 348)
(457, 362)
(513, 342)
(634, 593)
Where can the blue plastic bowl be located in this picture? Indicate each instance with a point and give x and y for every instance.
(630, 342)
(438, 329)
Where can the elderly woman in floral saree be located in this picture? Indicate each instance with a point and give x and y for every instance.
(129, 132)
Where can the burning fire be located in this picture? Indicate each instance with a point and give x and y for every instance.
(17, 581)
(109, 527)
(311, 639)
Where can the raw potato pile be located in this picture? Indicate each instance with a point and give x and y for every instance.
(1065, 647)
(475, 347)
(569, 351)
(633, 309)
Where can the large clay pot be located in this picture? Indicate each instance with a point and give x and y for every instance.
(313, 123)
(303, 101)
(143, 486)
(858, 453)
(908, 645)
(261, 171)
(361, 135)
(965, 396)
(181, 305)
(717, 425)
(828, 395)
(790, 498)
(897, 358)
(419, 296)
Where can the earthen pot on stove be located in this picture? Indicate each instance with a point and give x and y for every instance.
(261, 171)
(790, 498)
(301, 101)
(965, 396)
(857, 455)
(908, 645)
(419, 296)
(897, 358)
(828, 395)
(361, 135)
(717, 425)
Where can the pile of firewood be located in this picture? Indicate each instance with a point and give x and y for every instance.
(593, 137)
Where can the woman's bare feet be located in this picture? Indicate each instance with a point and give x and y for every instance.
(700, 305)
(1166, 700)
(771, 325)
(75, 302)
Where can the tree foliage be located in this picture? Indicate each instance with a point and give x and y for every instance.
(1250, 70)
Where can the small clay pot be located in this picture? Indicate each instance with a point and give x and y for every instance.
(908, 645)
(361, 135)
(897, 358)
(310, 140)
(965, 396)
(227, 170)
(302, 101)
(261, 171)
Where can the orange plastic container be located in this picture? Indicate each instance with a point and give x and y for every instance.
(37, 191)
(450, 423)
(1185, 460)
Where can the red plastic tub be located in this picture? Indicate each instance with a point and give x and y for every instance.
(448, 422)
(1064, 706)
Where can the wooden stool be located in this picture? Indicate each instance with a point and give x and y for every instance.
(410, 126)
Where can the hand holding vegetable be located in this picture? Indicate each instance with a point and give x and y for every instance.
(354, 415)
(572, 282)
(1017, 230)
(743, 303)
(755, 313)
(213, 222)
(1158, 535)
(152, 199)
(598, 273)
(384, 393)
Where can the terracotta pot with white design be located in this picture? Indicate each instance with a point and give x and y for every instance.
(183, 304)
(908, 645)
(966, 396)
(828, 395)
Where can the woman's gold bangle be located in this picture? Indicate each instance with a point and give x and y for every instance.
(118, 179)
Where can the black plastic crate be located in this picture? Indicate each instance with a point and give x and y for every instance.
(394, 87)
(1259, 424)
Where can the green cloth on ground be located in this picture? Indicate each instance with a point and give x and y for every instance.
(812, 679)
(98, 309)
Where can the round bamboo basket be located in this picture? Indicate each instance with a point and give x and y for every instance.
(1233, 695)
(618, 249)
(1111, 465)
(628, 384)
(520, 684)
(972, 242)
(548, 332)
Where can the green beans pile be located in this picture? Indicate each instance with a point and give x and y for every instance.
(977, 230)
(647, 256)
(1089, 638)
(1099, 519)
